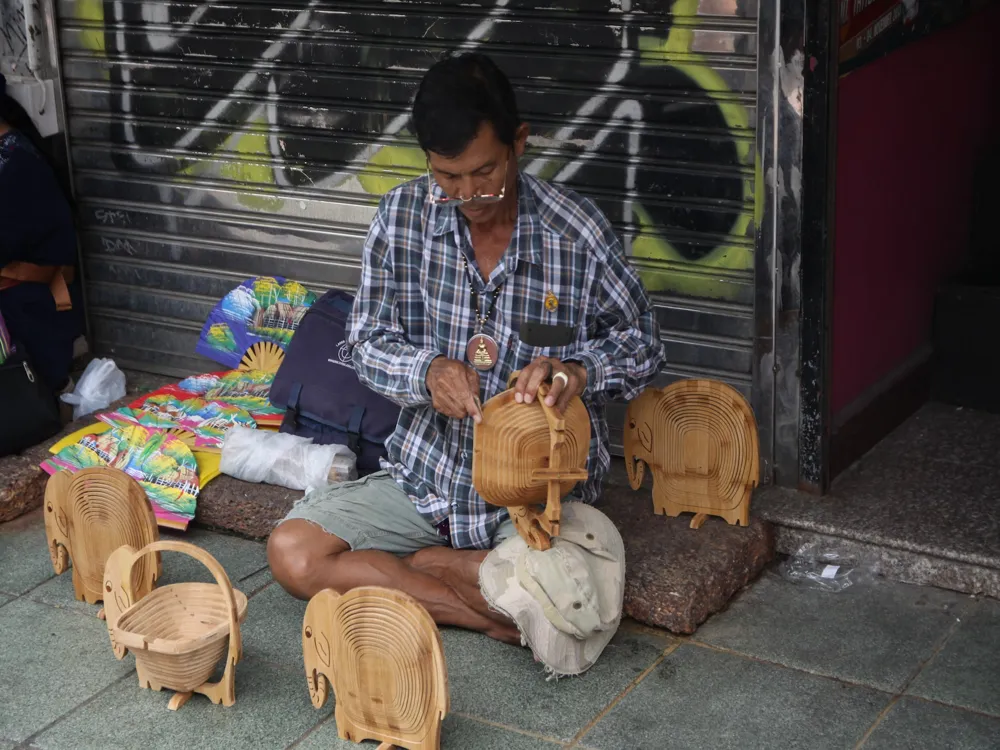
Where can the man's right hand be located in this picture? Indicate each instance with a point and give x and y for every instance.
(454, 389)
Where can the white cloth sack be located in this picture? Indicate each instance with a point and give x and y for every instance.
(285, 460)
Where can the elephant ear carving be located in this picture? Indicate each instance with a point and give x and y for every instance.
(56, 521)
(317, 644)
(645, 434)
(118, 594)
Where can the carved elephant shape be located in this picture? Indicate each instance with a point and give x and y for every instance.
(699, 437)
(88, 515)
(382, 653)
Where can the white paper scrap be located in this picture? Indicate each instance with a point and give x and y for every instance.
(829, 571)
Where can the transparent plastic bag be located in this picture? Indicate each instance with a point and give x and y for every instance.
(101, 384)
(824, 566)
(285, 460)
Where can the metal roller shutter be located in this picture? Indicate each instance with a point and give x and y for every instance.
(215, 141)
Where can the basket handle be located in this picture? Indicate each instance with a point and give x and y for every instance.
(217, 571)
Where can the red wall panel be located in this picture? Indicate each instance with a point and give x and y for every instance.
(910, 129)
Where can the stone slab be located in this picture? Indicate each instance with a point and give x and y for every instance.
(913, 724)
(698, 698)
(929, 488)
(801, 627)
(897, 565)
(676, 577)
(243, 508)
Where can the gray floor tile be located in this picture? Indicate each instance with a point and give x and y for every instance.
(915, 724)
(457, 733)
(273, 628)
(875, 634)
(698, 698)
(255, 583)
(50, 661)
(272, 710)
(967, 671)
(240, 558)
(24, 555)
(503, 684)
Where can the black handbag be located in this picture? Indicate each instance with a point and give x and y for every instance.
(29, 412)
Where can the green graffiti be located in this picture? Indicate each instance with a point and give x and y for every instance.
(675, 51)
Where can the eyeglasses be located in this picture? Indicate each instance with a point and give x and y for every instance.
(478, 198)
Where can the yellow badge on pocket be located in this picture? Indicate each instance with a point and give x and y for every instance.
(551, 303)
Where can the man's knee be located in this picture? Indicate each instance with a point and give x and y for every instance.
(295, 550)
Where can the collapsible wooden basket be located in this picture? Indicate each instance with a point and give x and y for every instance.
(178, 633)
(528, 454)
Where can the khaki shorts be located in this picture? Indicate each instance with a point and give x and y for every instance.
(374, 513)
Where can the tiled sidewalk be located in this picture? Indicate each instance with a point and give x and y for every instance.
(884, 666)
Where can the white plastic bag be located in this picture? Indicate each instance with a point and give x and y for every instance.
(285, 460)
(101, 384)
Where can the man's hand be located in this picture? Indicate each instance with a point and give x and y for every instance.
(454, 389)
(568, 380)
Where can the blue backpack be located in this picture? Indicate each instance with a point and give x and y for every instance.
(322, 397)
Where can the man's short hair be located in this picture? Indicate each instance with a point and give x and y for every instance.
(459, 94)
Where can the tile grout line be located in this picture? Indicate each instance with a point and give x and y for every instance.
(963, 709)
(913, 676)
(761, 660)
(313, 729)
(26, 743)
(622, 695)
(508, 728)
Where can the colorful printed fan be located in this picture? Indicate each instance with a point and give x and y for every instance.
(161, 463)
(249, 390)
(252, 325)
(202, 425)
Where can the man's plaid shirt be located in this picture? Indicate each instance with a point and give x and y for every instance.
(413, 304)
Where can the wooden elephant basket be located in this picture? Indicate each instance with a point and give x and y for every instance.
(699, 437)
(526, 455)
(177, 633)
(382, 652)
(90, 514)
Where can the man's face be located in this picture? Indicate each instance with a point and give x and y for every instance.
(483, 168)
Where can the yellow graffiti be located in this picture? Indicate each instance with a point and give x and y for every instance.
(676, 51)
(93, 12)
(252, 168)
(390, 167)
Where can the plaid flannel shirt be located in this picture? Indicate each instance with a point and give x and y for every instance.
(413, 304)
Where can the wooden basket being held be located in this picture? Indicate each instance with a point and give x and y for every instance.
(528, 454)
(177, 632)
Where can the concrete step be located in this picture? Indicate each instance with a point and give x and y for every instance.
(923, 506)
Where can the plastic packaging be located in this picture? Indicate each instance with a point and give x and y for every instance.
(823, 566)
(285, 460)
(101, 384)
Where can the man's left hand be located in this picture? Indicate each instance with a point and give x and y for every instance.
(568, 380)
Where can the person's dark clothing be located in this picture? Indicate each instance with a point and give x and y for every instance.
(36, 226)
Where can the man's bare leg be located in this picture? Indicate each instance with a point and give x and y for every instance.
(304, 559)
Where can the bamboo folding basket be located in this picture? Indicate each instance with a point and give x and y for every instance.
(528, 454)
(179, 632)
(90, 514)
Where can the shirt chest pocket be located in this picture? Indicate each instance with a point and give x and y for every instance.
(552, 326)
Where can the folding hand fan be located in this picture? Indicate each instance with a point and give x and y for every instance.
(245, 389)
(161, 463)
(251, 326)
(127, 416)
(200, 424)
